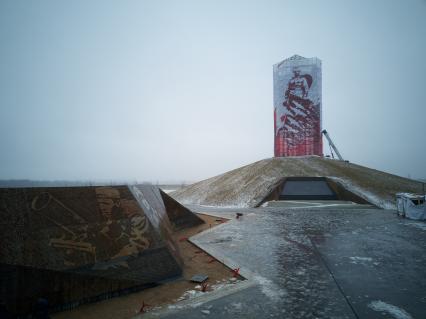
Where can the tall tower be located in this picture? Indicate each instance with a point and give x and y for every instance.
(297, 107)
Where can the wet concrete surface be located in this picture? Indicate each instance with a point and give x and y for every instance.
(317, 263)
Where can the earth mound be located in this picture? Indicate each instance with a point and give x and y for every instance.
(250, 185)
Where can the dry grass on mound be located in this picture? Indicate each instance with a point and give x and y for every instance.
(247, 186)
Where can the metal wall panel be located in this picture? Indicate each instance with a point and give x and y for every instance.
(297, 107)
(73, 245)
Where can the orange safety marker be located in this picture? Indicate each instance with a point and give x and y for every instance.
(204, 286)
(144, 306)
(236, 272)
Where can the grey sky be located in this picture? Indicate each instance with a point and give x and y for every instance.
(182, 90)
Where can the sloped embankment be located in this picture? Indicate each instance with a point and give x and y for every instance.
(249, 185)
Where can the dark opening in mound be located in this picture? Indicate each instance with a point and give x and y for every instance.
(311, 188)
(307, 188)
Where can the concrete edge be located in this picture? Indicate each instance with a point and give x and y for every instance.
(197, 301)
(209, 296)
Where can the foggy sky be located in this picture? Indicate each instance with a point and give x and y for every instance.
(182, 90)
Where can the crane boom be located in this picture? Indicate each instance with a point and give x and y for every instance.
(332, 144)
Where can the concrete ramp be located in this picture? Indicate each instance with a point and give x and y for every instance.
(79, 244)
(180, 216)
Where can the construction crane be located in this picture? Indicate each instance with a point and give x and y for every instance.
(330, 142)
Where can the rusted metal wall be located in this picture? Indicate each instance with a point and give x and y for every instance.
(102, 235)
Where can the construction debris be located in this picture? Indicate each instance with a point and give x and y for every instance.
(411, 206)
(199, 278)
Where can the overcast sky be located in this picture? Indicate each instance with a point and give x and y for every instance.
(182, 90)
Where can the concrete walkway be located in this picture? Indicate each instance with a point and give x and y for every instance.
(314, 263)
